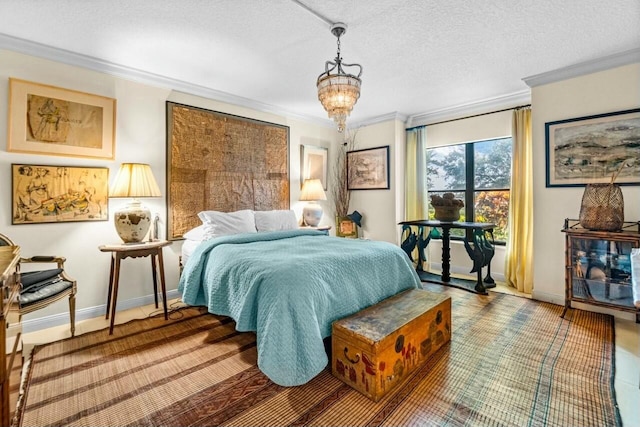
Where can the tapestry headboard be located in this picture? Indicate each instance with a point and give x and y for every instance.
(221, 162)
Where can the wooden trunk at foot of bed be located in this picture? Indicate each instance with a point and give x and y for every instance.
(379, 347)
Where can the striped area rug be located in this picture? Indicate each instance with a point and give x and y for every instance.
(511, 362)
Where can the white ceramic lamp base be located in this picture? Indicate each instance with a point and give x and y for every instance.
(132, 222)
(312, 214)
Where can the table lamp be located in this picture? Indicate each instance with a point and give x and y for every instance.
(311, 192)
(133, 180)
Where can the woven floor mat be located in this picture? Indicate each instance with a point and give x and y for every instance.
(511, 362)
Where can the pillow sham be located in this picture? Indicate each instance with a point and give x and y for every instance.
(225, 223)
(275, 220)
(210, 231)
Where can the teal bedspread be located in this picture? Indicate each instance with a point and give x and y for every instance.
(289, 286)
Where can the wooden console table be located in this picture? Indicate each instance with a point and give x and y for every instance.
(10, 355)
(134, 250)
(478, 242)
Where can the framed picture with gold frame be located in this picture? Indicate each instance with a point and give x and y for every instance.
(346, 227)
(43, 193)
(54, 121)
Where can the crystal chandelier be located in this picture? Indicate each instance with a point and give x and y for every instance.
(340, 91)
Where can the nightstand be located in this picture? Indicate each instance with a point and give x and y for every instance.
(134, 250)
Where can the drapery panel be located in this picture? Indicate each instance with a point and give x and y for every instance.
(518, 270)
(416, 206)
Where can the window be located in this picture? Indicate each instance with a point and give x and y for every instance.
(478, 173)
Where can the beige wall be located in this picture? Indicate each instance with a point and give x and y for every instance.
(140, 137)
(602, 92)
(379, 207)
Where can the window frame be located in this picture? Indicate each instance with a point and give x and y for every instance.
(469, 188)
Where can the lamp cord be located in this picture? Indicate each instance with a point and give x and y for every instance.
(174, 310)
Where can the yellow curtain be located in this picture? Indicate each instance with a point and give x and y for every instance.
(519, 250)
(416, 206)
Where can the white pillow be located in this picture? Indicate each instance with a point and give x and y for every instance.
(225, 223)
(275, 220)
(210, 231)
(195, 233)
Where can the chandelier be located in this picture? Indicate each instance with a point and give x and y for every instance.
(338, 92)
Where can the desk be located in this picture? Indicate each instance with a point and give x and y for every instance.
(134, 250)
(479, 248)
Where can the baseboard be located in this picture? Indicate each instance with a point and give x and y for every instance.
(33, 325)
(548, 297)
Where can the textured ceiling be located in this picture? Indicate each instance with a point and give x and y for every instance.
(418, 56)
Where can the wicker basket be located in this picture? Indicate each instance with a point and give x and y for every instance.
(447, 213)
(602, 207)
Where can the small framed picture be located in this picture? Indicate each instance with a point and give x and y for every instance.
(346, 227)
(368, 169)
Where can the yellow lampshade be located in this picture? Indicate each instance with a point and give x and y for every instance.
(134, 180)
(312, 190)
(134, 220)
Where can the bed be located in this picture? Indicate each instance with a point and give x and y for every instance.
(188, 247)
(288, 286)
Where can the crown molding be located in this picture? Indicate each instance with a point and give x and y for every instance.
(51, 53)
(460, 111)
(583, 68)
(379, 119)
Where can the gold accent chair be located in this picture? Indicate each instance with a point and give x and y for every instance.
(43, 287)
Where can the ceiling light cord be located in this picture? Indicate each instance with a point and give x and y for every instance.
(338, 29)
(314, 13)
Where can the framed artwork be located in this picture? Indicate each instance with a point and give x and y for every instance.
(60, 122)
(368, 169)
(345, 227)
(42, 194)
(313, 164)
(221, 162)
(591, 149)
